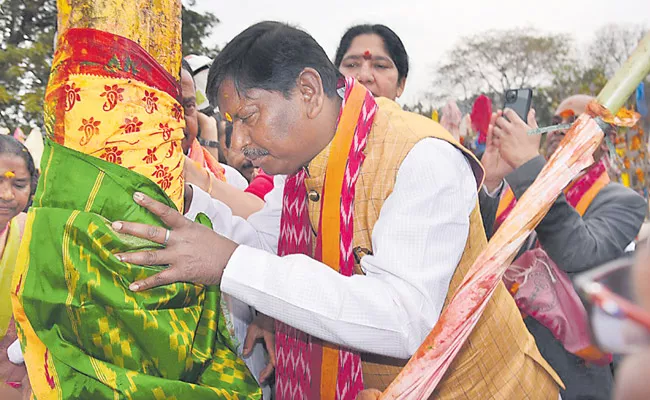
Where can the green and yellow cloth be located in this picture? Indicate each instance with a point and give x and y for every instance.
(85, 334)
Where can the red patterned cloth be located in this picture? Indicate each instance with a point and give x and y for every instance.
(300, 356)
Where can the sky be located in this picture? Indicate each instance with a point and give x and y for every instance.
(428, 28)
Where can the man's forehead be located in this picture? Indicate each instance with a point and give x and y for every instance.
(228, 96)
(187, 84)
(231, 98)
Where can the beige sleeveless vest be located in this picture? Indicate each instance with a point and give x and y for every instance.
(500, 359)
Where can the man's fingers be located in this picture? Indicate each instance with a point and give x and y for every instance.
(269, 340)
(493, 118)
(498, 133)
(147, 257)
(267, 372)
(532, 122)
(162, 278)
(512, 116)
(168, 215)
(154, 233)
(253, 333)
(490, 135)
(502, 123)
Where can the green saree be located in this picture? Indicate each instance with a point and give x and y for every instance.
(85, 334)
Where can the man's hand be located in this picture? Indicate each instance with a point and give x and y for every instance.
(516, 146)
(495, 167)
(262, 328)
(193, 252)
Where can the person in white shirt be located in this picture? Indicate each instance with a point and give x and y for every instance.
(390, 247)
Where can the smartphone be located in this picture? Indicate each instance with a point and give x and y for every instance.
(519, 101)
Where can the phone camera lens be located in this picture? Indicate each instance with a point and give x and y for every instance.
(511, 96)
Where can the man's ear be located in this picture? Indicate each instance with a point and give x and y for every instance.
(310, 89)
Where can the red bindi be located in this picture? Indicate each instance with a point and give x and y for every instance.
(367, 55)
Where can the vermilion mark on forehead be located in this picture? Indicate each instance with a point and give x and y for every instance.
(9, 174)
(367, 55)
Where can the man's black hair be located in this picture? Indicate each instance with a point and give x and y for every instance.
(270, 56)
(186, 66)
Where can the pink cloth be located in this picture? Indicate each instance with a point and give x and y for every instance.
(545, 293)
(451, 118)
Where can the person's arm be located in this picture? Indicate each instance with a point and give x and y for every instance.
(208, 131)
(418, 241)
(578, 243)
(260, 229)
(496, 169)
(241, 203)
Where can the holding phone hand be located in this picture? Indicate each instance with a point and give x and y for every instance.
(516, 146)
(496, 168)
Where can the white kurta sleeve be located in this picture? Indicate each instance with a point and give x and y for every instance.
(260, 230)
(418, 241)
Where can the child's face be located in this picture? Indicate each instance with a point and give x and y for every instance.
(15, 187)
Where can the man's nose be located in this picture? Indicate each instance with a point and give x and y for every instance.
(240, 136)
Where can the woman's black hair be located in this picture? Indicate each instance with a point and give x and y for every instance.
(10, 146)
(392, 43)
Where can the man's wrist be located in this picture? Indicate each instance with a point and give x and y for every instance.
(493, 187)
(519, 161)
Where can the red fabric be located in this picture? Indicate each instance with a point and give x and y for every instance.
(105, 54)
(481, 113)
(546, 293)
(261, 185)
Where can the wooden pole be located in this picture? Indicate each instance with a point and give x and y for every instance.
(153, 24)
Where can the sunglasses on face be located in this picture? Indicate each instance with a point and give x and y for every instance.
(618, 324)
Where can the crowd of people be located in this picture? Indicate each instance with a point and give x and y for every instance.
(341, 226)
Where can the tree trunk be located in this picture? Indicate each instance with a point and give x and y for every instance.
(153, 24)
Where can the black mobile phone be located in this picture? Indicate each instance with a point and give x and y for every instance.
(519, 101)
